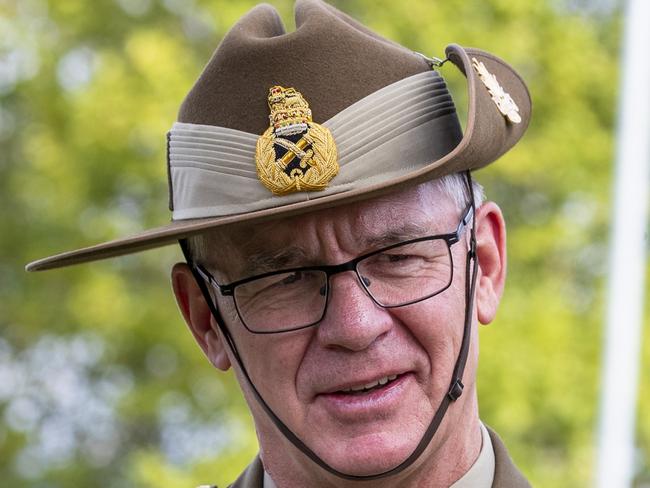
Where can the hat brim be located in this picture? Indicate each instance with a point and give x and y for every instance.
(488, 135)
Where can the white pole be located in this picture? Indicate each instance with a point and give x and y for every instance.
(627, 260)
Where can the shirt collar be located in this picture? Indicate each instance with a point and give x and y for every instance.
(481, 474)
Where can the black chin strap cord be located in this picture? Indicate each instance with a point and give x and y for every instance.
(455, 388)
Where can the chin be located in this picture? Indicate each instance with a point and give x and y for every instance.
(368, 454)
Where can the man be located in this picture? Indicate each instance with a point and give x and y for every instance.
(339, 256)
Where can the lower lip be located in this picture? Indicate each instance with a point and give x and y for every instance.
(354, 405)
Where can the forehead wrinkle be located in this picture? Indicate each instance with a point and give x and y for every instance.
(420, 213)
(263, 261)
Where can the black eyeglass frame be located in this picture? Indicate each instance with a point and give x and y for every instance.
(332, 269)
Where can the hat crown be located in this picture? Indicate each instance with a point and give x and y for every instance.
(330, 58)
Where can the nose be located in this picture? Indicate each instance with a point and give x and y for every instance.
(352, 320)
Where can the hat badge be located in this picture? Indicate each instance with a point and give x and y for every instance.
(294, 154)
(500, 97)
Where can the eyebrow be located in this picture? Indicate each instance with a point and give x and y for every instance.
(407, 231)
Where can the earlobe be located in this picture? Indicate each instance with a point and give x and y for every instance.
(491, 253)
(216, 350)
(198, 317)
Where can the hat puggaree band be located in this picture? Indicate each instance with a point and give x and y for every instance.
(213, 169)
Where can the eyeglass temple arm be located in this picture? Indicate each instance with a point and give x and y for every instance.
(202, 273)
(468, 215)
(224, 290)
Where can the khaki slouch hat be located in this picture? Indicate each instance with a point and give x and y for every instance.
(285, 123)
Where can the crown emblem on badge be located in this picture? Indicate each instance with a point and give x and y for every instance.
(294, 153)
(500, 97)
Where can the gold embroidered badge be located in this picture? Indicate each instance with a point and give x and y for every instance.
(294, 153)
(501, 98)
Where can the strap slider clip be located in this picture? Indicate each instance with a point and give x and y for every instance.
(456, 390)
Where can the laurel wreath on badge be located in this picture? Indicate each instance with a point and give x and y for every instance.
(294, 153)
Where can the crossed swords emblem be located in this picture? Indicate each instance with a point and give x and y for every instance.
(294, 150)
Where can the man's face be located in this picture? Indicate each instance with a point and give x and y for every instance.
(306, 376)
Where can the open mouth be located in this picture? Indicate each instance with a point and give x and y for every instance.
(375, 385)
(361, 403)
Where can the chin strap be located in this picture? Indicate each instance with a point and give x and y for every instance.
(455, 388)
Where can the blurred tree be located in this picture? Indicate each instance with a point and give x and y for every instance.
(99, 382)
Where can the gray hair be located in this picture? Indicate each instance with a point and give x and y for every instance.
(453, 185)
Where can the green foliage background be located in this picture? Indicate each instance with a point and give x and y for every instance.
(100, 383)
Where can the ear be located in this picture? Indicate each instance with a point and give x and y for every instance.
(198, 317)
(491, 253)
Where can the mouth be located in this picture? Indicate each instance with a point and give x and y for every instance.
(368, 387)
(362, 402)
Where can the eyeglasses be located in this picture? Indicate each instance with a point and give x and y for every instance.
(394, 276)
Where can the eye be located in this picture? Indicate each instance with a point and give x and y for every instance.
(292, 278)
(398, 256)
(393, 258)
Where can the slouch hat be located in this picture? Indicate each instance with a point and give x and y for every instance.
(281, 123)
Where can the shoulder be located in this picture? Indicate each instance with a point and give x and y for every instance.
(506, 474)
(252, 476)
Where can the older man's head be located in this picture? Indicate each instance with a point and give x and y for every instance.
(339, 264)
(362, 384)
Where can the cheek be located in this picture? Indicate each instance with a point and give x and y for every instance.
(436, 325)
(271, 360)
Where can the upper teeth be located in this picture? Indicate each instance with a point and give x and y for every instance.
(381, 381)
